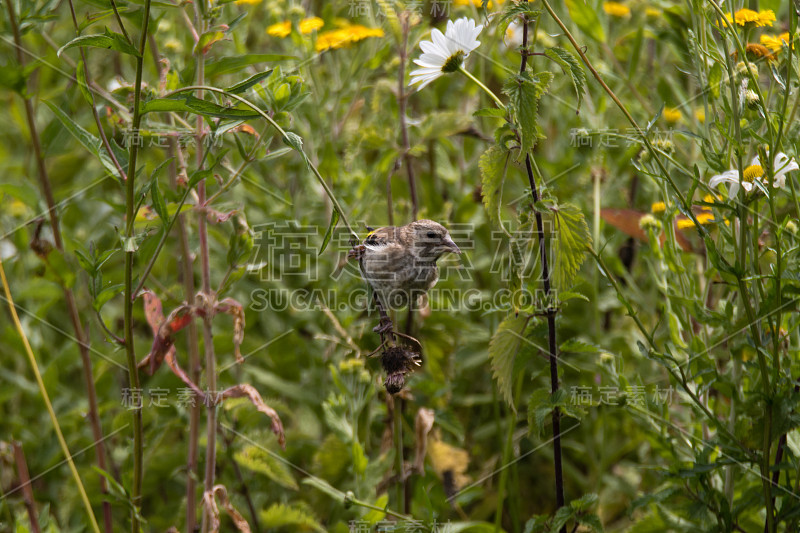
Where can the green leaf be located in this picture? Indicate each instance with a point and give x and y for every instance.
(104, 296)
(293, 517)
(158, 202)
(258, 460)
(80, 76)
(493, 164)
(206, 40)
(541, 405)
(572, 241)
(327, 488)
(513, 11)
(585, 17)
(109, 40)
(490, 112)
(242, 86)
(503, 350)
(186, 103)
(89, 141)
(295, 141)
(198, 176)
(230, 64)
(524, 92)
(570, 64)
(329, 233)
(715, 79)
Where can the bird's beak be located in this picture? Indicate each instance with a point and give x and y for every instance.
(451, 246)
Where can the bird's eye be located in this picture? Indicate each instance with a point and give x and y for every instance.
(431, 234)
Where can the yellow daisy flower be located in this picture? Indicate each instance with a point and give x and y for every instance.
(283, 29)
(477, 3)
(345, 36)
(249, 2)
(747, 16)
(658, 207)
(615, 9)
(775, 43)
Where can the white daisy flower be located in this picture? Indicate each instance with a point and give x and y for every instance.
(755, 172)
(446, 52)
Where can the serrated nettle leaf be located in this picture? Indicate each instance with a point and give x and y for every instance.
(109, 40)
(493, 164)
(570, 64)
(524, 91)
(571, 242)
(503, 350)
(159, 205)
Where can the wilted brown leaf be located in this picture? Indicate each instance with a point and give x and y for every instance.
(245, 390)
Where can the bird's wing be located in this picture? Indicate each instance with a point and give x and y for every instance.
(380, 238)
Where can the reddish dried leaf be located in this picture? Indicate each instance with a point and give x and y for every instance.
(172, 362)
(627, 221)
(422, 426)
(238, 520)
(235, 309)
(245, 390)
(218, 217)
(153, 310)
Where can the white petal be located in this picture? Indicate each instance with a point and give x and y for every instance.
(425, 71)
(756, 161)
(733, 189)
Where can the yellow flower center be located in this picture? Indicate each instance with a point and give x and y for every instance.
(453, 62)
(752, 172)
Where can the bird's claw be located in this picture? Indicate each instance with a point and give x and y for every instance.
(384, 327)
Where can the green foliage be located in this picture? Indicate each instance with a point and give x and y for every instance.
(524, 91)
(585, 17)
(493, 165)
(265, 462)
(109, 40)
(292, 517)
(571, 66)
(571, 242)
(503, 350)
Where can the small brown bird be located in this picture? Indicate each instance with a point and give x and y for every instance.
(400, 263)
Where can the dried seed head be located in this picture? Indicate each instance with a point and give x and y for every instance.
(398, 361)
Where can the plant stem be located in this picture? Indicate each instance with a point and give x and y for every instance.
(285, 137)
(43, 391)
(551, 311)
(402, 98)
(130, 349)
(25, 482)
(69, 297)
(488, 91)
(397, 434)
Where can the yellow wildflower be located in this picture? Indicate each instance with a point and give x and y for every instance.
(700, 115)
(249, 2)
(283, 29)
(477, 3)
(702, 218)
(615, 9)
(18, 208)
(658, 207)
(746, 16)
(775, 43)
(345, 36)
(652, 12)
(672, 114)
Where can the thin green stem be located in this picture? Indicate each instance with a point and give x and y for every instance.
(397, 434)
(494, 97)
(130, 252)
(285, 137)
(50, 411)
